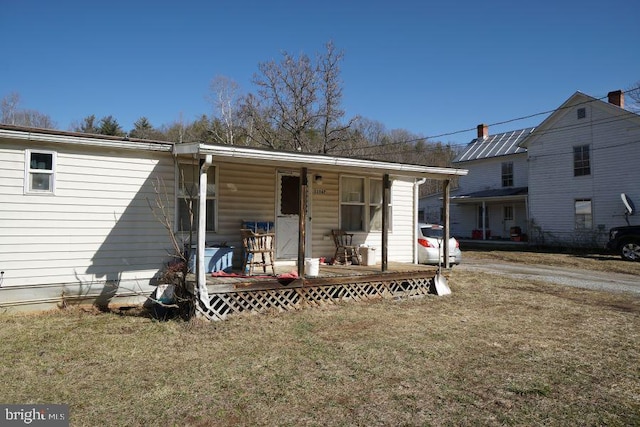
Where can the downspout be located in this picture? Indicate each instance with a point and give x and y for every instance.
(446, 190)
(302, 224)
(203, 294)
(416, 198)
(386, 198)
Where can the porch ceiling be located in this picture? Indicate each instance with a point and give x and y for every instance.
(250, 155)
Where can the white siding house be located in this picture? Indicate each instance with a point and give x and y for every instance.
(494, 191)
(581, 159)
(77, 220)
(565, 182)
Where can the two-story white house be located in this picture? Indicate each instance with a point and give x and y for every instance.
(559, 183)
(581, 159)
(492, 199)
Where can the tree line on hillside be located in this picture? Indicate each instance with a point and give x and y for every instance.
(296, 106)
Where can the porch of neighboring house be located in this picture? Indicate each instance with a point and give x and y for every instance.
(234, 293)
(497, 216)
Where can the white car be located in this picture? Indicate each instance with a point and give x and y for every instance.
(430, 248)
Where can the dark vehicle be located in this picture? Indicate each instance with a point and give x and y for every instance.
(626, 241)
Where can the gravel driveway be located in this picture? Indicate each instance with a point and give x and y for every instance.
(613, 282)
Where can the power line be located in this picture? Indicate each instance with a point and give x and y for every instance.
(624, 115)
(592, 149)
(425, 138)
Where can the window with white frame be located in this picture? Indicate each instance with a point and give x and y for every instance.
(584, 215)
(507, 174)
(361, 204)
(40, 172)
(188, 196)
(581, 160)
(508, 213)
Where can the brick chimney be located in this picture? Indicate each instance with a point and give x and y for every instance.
(616, 98)
(483, 131)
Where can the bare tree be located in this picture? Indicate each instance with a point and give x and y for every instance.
(297, 105)
(8, 108)
(87, 125)
(288, 89)
(225, 99)
(334, 134)
(633, 95)
(258, 123)
(12, 115)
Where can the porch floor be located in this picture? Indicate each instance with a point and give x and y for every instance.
(231, 294)
(327, 275)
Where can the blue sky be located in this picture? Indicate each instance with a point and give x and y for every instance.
(428, 67)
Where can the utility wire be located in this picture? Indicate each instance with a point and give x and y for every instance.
(425, 138)
(589, 123)
(607, 120)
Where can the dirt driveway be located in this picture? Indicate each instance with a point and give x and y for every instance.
(592, 272)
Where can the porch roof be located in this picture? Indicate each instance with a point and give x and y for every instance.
(499, 194)
(245, 155)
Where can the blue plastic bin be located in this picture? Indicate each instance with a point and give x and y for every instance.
(215, 259)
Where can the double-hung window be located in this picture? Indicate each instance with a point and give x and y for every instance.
(361, 204)
(188, 196)
(507, 174)
(581, 160)
(584, 215)
(40, 172)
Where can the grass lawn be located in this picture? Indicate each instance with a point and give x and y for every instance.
(496, 352)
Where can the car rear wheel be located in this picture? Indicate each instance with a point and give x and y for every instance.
(630, 250)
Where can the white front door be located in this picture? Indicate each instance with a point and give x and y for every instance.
(507, 220)
(287, 216)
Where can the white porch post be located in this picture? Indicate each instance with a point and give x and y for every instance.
(484, 219)
(446, 191)
(416, 219)
(203, 294)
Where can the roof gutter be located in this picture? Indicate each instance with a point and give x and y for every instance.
(123, 143)
(232, 153)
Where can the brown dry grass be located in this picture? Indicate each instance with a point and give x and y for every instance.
(585, 260)
(495, 352)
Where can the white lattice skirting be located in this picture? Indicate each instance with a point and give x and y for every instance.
(294, 298)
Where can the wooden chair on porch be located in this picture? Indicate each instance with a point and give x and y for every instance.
(346, 251)
(258, 250)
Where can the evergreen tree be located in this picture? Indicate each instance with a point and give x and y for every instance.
(110, 126)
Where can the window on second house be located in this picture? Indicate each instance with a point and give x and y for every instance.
(582, 113)
(507, 174)
(360, 204)
(508, 213)
(188, 196)
(40, 172)
(584, 216)
(581, 160)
